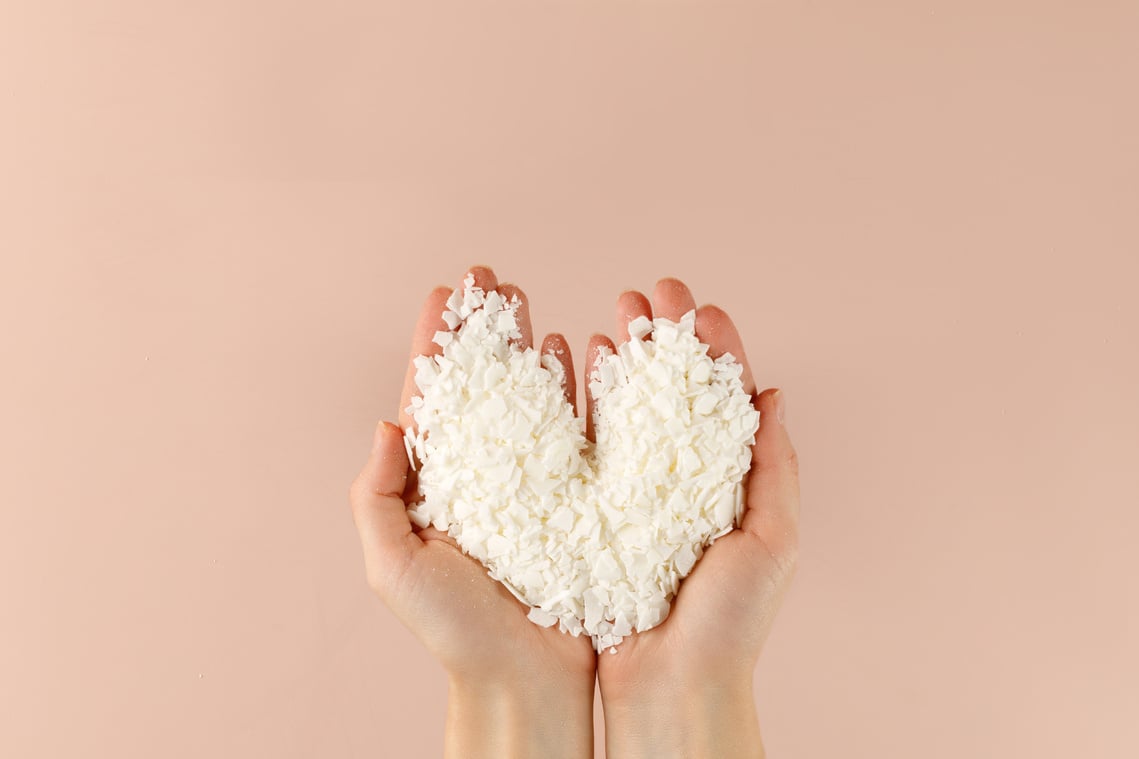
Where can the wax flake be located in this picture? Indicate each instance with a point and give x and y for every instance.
(594, 538)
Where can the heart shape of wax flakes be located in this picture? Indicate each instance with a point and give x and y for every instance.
(593, 537)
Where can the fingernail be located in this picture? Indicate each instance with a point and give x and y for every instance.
(777, 397)
(378, 438)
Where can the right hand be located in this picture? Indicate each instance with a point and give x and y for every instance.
(468, 621)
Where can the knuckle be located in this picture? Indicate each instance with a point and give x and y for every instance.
(789, 554)
(791, 461)
(784, 550)
(777, 462)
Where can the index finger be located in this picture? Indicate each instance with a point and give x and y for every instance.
(430, 322)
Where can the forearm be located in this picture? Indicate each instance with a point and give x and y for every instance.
(550, 719)
(697, 721)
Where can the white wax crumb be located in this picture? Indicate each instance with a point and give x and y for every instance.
(579, 532)
(410, 452)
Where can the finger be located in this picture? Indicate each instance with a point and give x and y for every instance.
(378, 508)
(630, 305)
(556, 346)
(597, 345)
(672, 299)
(509, 291)
(430, 322)
(715, 329)
(772, 512)
(422, 344)
(484, 278)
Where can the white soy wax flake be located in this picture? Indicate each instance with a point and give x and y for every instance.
(407, 444)
(580, 533)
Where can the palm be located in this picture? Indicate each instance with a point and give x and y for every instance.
(722, 608)
(471, 622)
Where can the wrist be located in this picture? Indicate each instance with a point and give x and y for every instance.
(550, 716)
(687, 718)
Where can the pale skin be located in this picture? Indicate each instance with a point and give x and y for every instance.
(681, 689)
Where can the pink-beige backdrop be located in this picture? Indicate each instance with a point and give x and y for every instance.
(217, 220)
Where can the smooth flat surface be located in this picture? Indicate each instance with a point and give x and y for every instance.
(218, 221)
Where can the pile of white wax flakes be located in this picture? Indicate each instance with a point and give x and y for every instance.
(597, 537)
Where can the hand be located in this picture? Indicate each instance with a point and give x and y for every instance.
(684, 688)
(516, 689)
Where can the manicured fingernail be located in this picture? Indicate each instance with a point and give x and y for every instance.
(777, 396)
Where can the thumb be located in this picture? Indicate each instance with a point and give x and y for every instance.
(773, 483)
(378, 509)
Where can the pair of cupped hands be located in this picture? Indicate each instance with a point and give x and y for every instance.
(683, 688)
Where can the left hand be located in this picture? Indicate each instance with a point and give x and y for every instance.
(684, 687)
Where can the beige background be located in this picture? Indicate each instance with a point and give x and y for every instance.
(218, 218)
